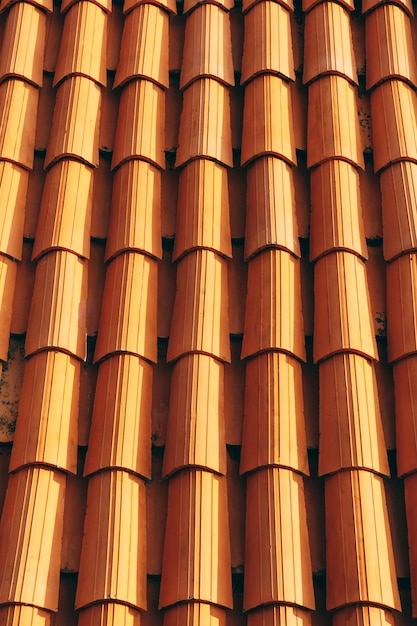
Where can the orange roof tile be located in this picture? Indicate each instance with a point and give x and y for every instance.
(45, 111)
(102, 197)
(195, 613)
(237, 281)
(18, 106)
(405, 378)
(46, 5)
(8, 270)
(108, 614)
(13, 615)
(54, 26)
(96, 279)
(275, 615)
(401, 304)
(106, 5)
(25, 278)
(189, 5)
(407, 5)
(363, 614)
(74, 513)
(247, 4)
(13, 187)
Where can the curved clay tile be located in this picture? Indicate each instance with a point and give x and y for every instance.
(8, 271)
(54, 26)
(167, 272)
(207, 46)
(271, 219)
(23, 44)
(144, 49)
(106, 5)
(58, 308)
(205, 129)
(402, 306)
(30, 538)
(140, 125)
(96, 279)
(195, 430)
(360, 562)
(113, 555)
(13, 189)
(121, 425)
(410, 484)
(265, 132)
(336, 212)
(193, 613)
(76, 121)
(327, 34)
(102, 196)
(248, 4)
(200, 321)
(405, 381)
(407, 5)
(342, 316)
(389, 46)
(223, 4)
(168, 5)
(366, 615)
(65, 215)
(108, 614)
(333, 126)
(203, 209)
(196, 561)
(278, 615)
(45, 112)
(135, 216)
(273, 427)
(268, 41)
(394, 123)
(46, 5)
(47, 422)
(274, 319)
(25, 278)
(18, 108)
(74, 513)
(84, 43)
(351, 434)
(13, 615)
(277, 551)
(399, 208)
(307, 5)
(128, 311)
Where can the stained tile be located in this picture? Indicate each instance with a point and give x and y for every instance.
(237, 291)
(96, 279)
(18, 107)
(401, 306)
(45, 111)
(275, 615)
(376, 270)
(405, 379)
(160, 395)
(8, 271)
(25, 278)
(13, 187)
(370, 191)
(399, 208)
(109, 613)
(173, 108)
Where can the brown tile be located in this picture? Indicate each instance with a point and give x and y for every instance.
(106, 5)
(394, 489)
(307, 295)
(401, 306)
(375, 269)
(66, 612)
(108, 118)
(247, 4)
(30, 538)
(102, 197)
(195, 613)
(53, 35)
(236, 493)
(360, 560)
(405, 385)
(273, 427)
(168, 5)
(237, 201)
(4, 475)
(11, 379)
(334, 134)
(74, 513)
(207, 46)
(314, 498)
(160, 396)
(399, 208)
(299, 95)
(156, 510)
(277, 551)
(385, 385)
(109, 613)
(357, 24)
(273, 305)
(173, 108)
(301, 176)
(25, 278)
(18, 107)
(46, 5)
(237, 33)
(307, 5)
(120, 435)
(13, 188)
(13, 615)
(57, 316)
(140, 125)
(275, 615)
(202, 294)
(343, 318)
(328, 38)
(236, 116)
(96, 279)
(75, 124)
(23, 43)
(135, 222)
(169, 195)
(237, 291)
(394, 123)
(143, 50)
(371, 201)
(234, 393)
(113, 555)
(411, 504)
(87, 391)
(167, 272)
(203, 209)
(365, 121)
(33, 198)
(45, 112)
(115, 22)
(205, 123)
(129, 293)
(176, 41)
(8, 272)
(406, 5)
(46, 427)
(271, 219)
(196, 562)
(190, 4)
(364, 615)
(265, 132)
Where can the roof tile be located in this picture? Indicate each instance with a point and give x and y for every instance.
(11, 374)
(405, 379)
(271, 219)
(370, 190)
(327, 34)
(135, 222)
(87, 391)
(401, 306)
(113, 556)
(268, 41)
(207, 46)
(108, 614)
(336, 214)
(65, 215)
(193, 613)
(161, 386)
(18, 107)
(176, 41)
(46, 427)
(8, 271)
(140, 124)
(121, 424)
(234, 394)
(277, 552)
(264, 132)
(106, 5)
(102, 197)
(407, 5)
(411, 504)
(75, 124)
(96, 279)
(399, 208)
(205, 123)
(129, 294)
(343, 320)
(167, 272)
(54, 26)
(237, 291)
(273, 427)
(13, 615)
(74, 513)
(46, 5)
(237, 200)
(278, 615)
(13, 187)
(33, 198)
(365, 615)
(335, 134)
(196, 408)
(360, 539)
(168, 5)
(115, 23)
(156, 513)
(45, 111)
(144, 51)
(25, 279)
(189, 5)
(236, 494)
(201, 295)
(274, 318)
(203, 209)
(394, 123)
(196, 562)
(30, 538)
(247, 4)
(23, 43)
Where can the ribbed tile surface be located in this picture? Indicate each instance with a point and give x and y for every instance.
(18, 106)
(401, 306)
(405, 378)
(399, 208)
(13, 186)
(14, 615)
(194, 613)
(277, 615)
(108, 614)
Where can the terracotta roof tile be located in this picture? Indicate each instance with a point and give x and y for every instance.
(108, 614)
(13, 615)
(167, 272)
(263, 131)
(399, 206)
(363, 614)
(54, 26)
(106, 5)
(189, 5)
(8, 270)
(25, 278)
(276, 615)
(407, 5)
(234, 393)
(195, 613)
(13, 187)
(156, 503)
(102, 197)
(18, 106)
(114, 535)
(237, 290)
(277, 552)
(96, 279)
(45, 111)
(327, 34)
(401, 304)
(268, 42)
(247, 4)
(33, 198)
(115, 22)
(143, 50)
(405, 378)
(207, 46)
(46, 5)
